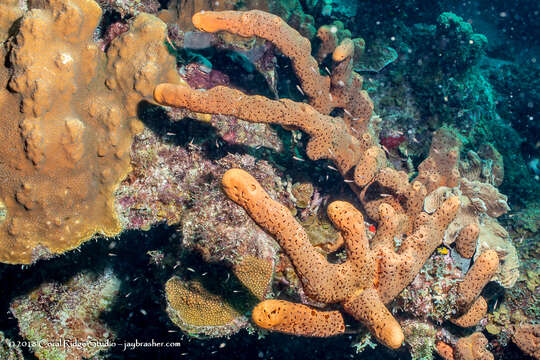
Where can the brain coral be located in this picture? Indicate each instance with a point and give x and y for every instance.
(201, 312)
(67, 124)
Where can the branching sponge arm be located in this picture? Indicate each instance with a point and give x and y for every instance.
(297, 319)
(275, 218)
(289, 41)
(351, 283)
(329, 136)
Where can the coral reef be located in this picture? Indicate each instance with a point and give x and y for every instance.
(398, 210)
(62, 321)
(414, 241)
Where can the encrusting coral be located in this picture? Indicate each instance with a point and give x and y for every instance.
(69, 116)
(368, 279)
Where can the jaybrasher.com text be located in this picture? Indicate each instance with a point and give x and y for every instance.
(65, 343)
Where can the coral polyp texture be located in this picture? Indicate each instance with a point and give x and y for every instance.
(69, 116)
(200, 312)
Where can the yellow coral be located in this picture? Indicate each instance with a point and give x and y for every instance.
(66, 136)
(255, 274)
(193, 308)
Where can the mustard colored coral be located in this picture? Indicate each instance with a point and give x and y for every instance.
(198, 311)
(255, 274)
(67, 136)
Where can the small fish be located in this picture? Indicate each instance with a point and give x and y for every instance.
(442, 250)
